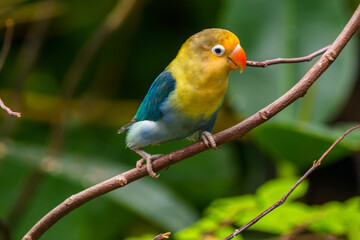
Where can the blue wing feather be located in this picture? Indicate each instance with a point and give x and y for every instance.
(158, 122)
(149, 109)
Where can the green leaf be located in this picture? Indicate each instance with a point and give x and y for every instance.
(284, 219)
(352, 213)
(228, 208)
(219, 214)
(330, 219)
(223, 214)
(272, 191)
(301, 143)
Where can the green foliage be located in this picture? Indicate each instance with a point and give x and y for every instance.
(303, 142)
(224, 215)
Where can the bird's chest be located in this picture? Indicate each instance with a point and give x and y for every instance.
(199, 98)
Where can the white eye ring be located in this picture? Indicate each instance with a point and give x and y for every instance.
(218, 50)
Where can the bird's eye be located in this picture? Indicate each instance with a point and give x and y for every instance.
(218, 50)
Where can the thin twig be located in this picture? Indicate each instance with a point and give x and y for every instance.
(287, 60)
(283, 199)
(318, 162)
(7, 41)
(8, 110)
(26, 59)
(162, 236)
(4, 52)
(227, 135)
(29, 51)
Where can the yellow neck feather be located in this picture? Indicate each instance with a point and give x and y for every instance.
(200, 85)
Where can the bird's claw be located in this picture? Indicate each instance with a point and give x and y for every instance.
(209, 140)
(139, 163)
(148, 158)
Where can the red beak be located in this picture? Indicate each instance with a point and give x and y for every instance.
(237, 59)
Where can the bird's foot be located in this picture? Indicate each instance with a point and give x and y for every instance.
(209, 140)
(151, 157)
(148, 158)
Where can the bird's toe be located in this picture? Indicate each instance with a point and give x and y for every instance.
(149, 168)
(139, 163)
(208, 139)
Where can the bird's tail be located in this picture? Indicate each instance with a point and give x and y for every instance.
(126, 127)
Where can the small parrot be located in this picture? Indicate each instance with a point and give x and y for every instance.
(185, 99)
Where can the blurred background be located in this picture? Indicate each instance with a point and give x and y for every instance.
(78, 70)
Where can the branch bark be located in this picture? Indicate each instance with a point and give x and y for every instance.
(287, 60)
(8, 110)
(227, 135)
(283, 199)
(162, 236)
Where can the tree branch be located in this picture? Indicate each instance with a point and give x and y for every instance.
(227, 135)
(283, 199)
(4, 52)
(162, 236)
(8, 110)
(26, 59)
(287, 60)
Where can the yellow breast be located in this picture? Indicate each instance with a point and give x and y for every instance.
(200, 90)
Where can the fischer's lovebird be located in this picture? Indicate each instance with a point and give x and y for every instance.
(185, 99)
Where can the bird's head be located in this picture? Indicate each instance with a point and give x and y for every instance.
(218, 48)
